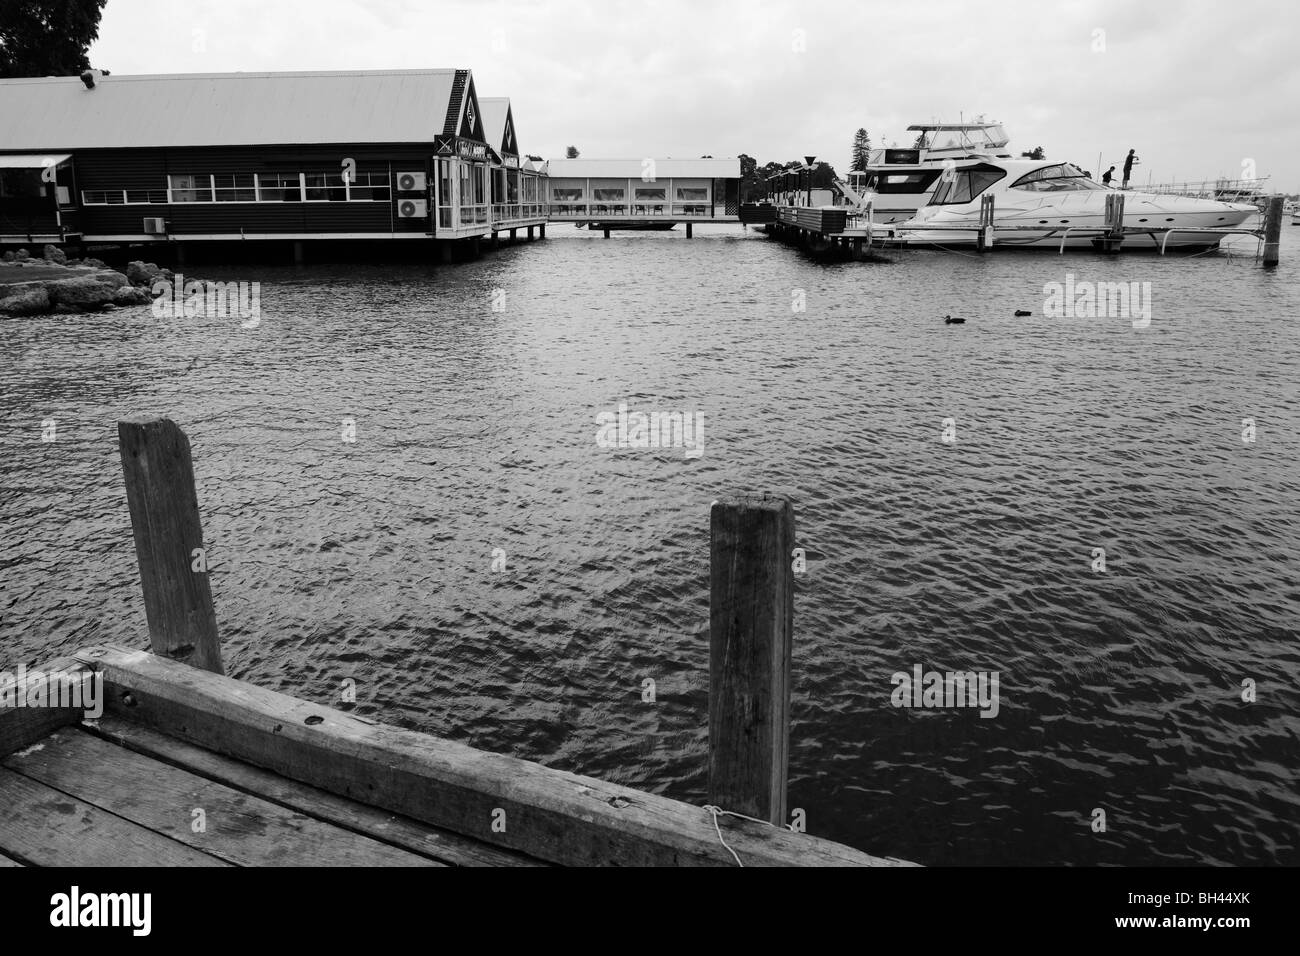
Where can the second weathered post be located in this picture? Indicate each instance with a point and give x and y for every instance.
(1272, 231)
(164, 505)
(751, 622)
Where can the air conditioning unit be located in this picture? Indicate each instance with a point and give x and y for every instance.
(413, 208)
(155, 227)
(411, 182)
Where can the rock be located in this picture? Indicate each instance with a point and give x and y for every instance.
(84, 292)
(21, 255)
(72, 262)
(141, 273)
(129, 295)
(54, 254)
(9, 256)
(94, 263)
(30, 300)
(110, 278)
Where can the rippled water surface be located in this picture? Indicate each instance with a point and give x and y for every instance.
(476, 431)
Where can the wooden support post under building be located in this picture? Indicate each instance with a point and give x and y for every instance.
(751, 620)
(541, 232)
(530, 233)
(514, 234)
(689, 233)
(444, 250)
(298, 254)
(1272, 231)
(606, 233)
(159, 474)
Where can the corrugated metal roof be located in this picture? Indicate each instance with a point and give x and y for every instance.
(225, 109)
(33, 160)
(494, 110)
(632, 168)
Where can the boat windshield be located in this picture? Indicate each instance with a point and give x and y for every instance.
(1051, 179)
(963, 185)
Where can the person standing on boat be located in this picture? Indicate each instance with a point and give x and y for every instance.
(1107, 176)
(1128, 166)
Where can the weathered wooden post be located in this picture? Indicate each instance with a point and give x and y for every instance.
(984, 240)
(751, 618)
(164, 507)
(1272, 231)
(1114, 223)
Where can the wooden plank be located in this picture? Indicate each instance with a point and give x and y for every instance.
(237, 827)
(50, 828)
(751, 623)
(22, 725)
(159, 474)
(436, 844)
(556, 816)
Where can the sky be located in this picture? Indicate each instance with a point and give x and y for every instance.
(1199, 88)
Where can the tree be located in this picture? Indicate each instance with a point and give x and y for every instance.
(751, 184)
(570, 152)
(861, 151)
(47, 37)
(1036, 153)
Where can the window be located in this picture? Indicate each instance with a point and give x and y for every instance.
(466, 189)
(894, 183)
(370, 187)
(966, 184)
(101, 197)
(651, 193)
(566, 195)
(234, 187)
(608, 195)
(325, 187)
(141, 196)
(692, 194)
(190, 188)
(279, 187)
(1060, 178)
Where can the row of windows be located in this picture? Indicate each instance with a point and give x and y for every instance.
(641, 193)
(252, 187)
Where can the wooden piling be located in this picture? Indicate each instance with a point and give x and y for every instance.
(1272, 231)
(751, 619)
(689, 233)
(606, 233)
(1114, 223)
(159, 475)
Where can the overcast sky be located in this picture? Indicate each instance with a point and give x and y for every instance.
(1199, 88)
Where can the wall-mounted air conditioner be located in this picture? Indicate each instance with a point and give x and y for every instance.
(411, 182)
(412, 208)
(155, 227)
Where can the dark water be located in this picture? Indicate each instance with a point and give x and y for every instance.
(476, 431)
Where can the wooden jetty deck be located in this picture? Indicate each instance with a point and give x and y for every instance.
(188, 767)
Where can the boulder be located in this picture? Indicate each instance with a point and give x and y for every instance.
(29, 300)
(141, 273)
(129, 295)
(8, 256)
(83, 292)
(94, 263)
(54, 254)
(21, 255)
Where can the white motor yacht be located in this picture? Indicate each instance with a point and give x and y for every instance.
(1052, 199)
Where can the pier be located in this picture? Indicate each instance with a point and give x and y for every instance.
(188, 767)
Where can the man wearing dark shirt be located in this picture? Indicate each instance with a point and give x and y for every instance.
(1107, 176)
(1128, 166)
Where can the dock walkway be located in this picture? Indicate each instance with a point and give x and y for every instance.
(114, 756)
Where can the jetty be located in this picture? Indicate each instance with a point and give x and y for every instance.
(117, 756)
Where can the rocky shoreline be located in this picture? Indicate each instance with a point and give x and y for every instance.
(55, 283)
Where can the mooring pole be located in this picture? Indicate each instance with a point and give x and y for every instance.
(751, 622)
(1272, 231)
(164, 505)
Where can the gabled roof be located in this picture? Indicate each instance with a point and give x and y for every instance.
(499, 125)
(230, 109)
(634, 168)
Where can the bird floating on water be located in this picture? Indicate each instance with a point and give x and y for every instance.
(1023, 312)
(949, 320)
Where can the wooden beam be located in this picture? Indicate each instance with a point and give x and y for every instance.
(22, 725)
(751, 617)
(440, 845)
(160, 491)
(549, 814)
(1272, 231)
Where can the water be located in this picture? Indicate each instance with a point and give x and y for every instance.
(476, 431)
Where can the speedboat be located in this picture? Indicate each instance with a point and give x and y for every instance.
(1040, 203)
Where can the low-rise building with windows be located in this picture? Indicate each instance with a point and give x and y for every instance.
(644, 190)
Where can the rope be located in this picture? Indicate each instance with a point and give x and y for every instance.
(718, 811)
